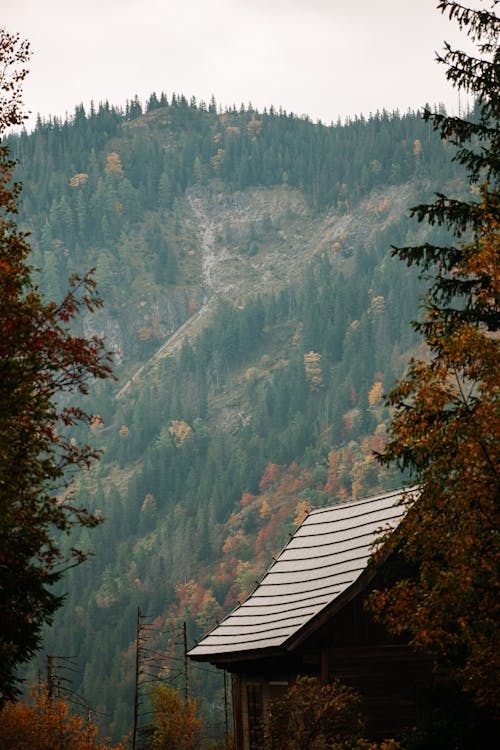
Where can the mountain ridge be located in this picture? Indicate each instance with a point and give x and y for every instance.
(245, 265)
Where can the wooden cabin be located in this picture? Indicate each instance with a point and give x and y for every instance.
(306, 617)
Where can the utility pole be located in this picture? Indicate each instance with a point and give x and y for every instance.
(50, 676)
(136, 688)
(186, 677)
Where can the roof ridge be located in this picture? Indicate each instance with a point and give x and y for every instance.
(361, 501)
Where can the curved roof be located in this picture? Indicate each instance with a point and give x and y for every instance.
(323, 559)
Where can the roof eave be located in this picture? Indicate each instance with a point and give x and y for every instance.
(231, 657)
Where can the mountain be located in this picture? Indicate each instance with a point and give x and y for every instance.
(257, 318)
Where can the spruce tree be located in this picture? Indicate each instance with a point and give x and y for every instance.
(446, 424)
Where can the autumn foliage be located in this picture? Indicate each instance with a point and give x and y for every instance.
(447, 426)
(177, 725)
(46, 723)
(316, 716)
(44, 370)
(444, 588)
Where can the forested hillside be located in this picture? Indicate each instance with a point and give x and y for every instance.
(267, 238)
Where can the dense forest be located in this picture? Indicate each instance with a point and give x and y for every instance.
(271, 401)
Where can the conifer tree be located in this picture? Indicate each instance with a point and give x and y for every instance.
(445, 429)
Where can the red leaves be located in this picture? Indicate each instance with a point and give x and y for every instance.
(40, 359)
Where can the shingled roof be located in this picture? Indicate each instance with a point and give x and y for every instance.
(323, 559)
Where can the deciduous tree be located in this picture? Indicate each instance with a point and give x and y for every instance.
(316, 716)
(176, 724)
(445, 430)
(44, 367)
(45, 723)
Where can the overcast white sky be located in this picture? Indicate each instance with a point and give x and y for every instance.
(324, 58)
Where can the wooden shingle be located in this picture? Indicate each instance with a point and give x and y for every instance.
(322, 561)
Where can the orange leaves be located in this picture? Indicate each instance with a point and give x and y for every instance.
(78, 179)
(233, 543)
(446, 429)
(198, 601)
(375, 393)
(177, 725)
(179, 431)
(113, 164)
(246, 498)
(271, 475)
(45, 724)
(96, 423)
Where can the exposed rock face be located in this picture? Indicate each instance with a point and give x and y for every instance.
(144, 322)
(248, 242)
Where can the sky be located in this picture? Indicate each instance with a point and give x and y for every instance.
(327, 59)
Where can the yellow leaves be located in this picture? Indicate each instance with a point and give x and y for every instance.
(179, 431)
(302, 509)
(252, 374)
(113, 164)
(177, 725)
(149, 503)
(233, 543)
(375, 393)
(124, 431)
(377, 305)
(417, 148)
(254, 127)
(312, 366)
(78, 179)
(245, 578)
(265, 509)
